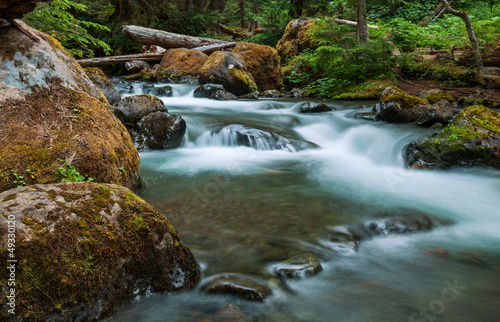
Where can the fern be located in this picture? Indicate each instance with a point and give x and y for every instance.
(55, 19)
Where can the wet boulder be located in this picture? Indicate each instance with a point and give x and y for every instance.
(222, 95)
(136, 65)
(162, 91)
(239, 285)
(400, 225)
(88, 249)
(52, 114)
(180, 65)
(440, 112)
(159, 131)
(472, 139)
(262, 63)
(251, 96)
(103, 84)
(229, 70)
(397, 106)
(206, 90)
(313, 107)
(271, 93)
(132, 108)
(299, 266)
(230, 313)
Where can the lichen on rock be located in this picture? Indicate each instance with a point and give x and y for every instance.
(85, 249)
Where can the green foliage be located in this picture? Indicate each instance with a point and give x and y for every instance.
(55, 19)
(68, 173)
(339, 61)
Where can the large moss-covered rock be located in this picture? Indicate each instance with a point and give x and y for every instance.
(102, 82)
(397, 106)
(181, 65)
(473, 138)
(51, 112)
(229, 70)
(262, 63)
(85, 249)
(435, 95)
(295, 39)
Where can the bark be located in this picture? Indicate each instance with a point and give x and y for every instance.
(470, 31)
(243, 13)
(230, 32)
(165, 39)
(363, 33)
(217, 5)
(155, 57)
(255, 10)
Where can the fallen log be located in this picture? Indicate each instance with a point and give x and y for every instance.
(166, 39)
(230, 32)
(148, 57)
(352, 23)
(110, 60)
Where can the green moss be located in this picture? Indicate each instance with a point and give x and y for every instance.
(11, 196)
(366, 91)
(437, 95)
(405, 99)
(245, 78)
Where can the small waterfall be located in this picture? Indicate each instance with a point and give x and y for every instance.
(258, 139)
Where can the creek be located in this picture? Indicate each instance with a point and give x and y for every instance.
(255, 182)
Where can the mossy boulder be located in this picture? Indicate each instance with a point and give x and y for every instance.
(85, 249)
(52, 115)
(229, 70)
(180, 65)
(435, 95)
(262, 63)
(295, 39)
(472, 139)
(102, 82)
(133, 108)
(159, 131)
(397, 106)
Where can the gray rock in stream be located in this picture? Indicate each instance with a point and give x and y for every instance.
(133, 108)
(204, 91)
(238, 285)
(159, 131)
(299, 266)
(312, 107)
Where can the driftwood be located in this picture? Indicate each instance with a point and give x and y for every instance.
(166, 39)
(352, 23)
(148, 57)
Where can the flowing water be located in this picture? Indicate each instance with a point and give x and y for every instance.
(255, 181)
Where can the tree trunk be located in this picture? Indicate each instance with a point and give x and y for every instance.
(296, 9)
(155, 57)
(217, 5)
(363, 34)
(243, 13)
(470, 31)
(255, 10)
(165, 39)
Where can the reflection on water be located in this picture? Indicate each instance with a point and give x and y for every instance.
(241, 209)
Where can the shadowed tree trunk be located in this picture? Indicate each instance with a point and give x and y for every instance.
(363, 34)
(243, 13)
(470, 31)
(218, 5)
(296, 9)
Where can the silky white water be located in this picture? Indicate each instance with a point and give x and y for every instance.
(239, 206)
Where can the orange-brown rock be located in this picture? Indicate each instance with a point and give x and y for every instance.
(262, 62)
(295, 39)
(181, 65)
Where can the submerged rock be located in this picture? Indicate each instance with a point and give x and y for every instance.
(206, 90)
(400, 225)
(274, 93)
(159, 131)
(52, 112)
(132, 108)
(239, 285)
(229, 70)
(230, 313)
(313, 107)
(103, 84)
(299, 266)
(472, 139)
(163, 91)
(88, 249)
(259, 138)
(251, 96)
(222, 95)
